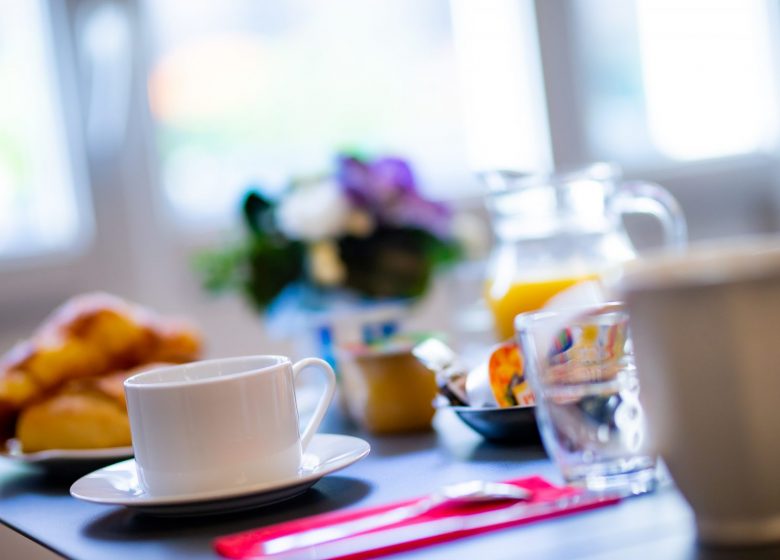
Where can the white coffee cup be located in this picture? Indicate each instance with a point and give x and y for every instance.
(209, 426)
(706, 334)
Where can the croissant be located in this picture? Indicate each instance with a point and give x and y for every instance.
(71, 370)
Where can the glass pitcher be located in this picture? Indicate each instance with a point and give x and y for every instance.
(556, 230)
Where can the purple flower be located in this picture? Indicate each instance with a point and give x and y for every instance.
(415, 211)
(387, 189)
(392, 178)
(355, 178)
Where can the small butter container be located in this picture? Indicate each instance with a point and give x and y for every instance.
(386, 390)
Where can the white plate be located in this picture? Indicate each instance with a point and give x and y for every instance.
(118, 484)
(65, 459)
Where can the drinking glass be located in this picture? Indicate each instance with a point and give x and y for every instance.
(581, 368)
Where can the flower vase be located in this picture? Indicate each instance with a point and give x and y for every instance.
(382, 387)
(364, 325)
(334, 328)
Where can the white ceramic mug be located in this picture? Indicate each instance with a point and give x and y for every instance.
(218, 424)
(706, 333)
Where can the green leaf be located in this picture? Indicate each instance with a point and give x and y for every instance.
(271, 265)
(260, 268)
(219, 270)
(256, 209)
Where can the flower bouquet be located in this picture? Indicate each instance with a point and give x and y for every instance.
(363, 229)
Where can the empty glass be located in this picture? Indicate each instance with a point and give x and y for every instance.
(581, 367)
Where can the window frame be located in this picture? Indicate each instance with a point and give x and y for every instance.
(567, 104)
(48, 274)
(110, 191)
(742, 187)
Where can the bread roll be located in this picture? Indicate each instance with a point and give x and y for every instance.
(73, 421)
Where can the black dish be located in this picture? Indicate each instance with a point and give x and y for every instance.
(514, 425)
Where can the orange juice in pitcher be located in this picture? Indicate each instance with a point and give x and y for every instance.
(524, 295)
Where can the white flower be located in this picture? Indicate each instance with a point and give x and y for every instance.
(325, 264)
(314, 211)
(472, 233)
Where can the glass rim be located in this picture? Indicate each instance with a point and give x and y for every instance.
(596, 171)
(524, 321)
(174, 376)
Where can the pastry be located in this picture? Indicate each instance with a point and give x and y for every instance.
(82, 414)
(62, 388)
(73, 420)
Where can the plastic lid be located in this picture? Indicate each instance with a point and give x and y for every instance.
(705, 264)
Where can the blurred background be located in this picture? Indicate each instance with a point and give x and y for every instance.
(130, 128)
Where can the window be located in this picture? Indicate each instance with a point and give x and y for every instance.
(676, 79)
(251, 92)
(42, 210)
(707, 76)
(501, 84)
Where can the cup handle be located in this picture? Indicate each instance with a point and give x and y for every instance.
(325, 399)
(642, 197)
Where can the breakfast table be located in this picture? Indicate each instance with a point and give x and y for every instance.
(658, 525)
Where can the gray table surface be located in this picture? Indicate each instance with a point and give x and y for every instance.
(657, 526)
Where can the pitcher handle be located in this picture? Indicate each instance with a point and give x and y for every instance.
(325, 399)
(642, 197)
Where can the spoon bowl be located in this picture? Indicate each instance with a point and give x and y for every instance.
(479, 491)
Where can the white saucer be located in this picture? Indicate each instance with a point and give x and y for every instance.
(65, 459)
(118, 484)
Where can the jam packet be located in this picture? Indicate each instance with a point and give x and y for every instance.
(507, 379)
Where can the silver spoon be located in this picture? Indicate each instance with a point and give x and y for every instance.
(461, 492)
